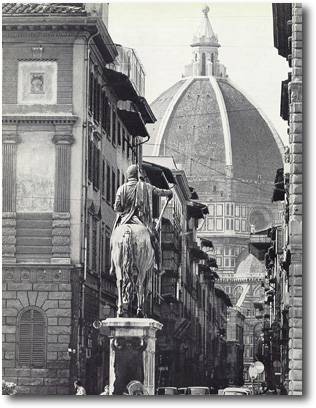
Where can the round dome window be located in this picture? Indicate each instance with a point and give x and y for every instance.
(259, 219)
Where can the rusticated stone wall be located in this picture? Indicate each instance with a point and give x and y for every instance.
(296, 208)
(47, 289)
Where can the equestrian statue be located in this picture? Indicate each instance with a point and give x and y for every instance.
(135, 244)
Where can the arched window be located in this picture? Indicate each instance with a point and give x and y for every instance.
(32, 338)
(203, 68)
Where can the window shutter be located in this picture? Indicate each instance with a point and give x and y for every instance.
(32, 339)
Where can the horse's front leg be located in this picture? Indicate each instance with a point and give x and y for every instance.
(119, 283)
(140, 299)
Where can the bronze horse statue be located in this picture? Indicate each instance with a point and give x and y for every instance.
(133, 260)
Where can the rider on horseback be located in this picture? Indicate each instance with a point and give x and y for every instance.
(132, 204)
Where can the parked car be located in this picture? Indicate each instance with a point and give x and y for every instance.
(235, 391)
(197, 391)
(167, 391)
(182, 391)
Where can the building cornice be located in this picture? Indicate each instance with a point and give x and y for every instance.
(54, 119)
(62, 26)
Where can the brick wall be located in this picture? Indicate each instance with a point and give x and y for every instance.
(295, 221)
(49, 290)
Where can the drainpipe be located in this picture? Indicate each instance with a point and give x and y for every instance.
(84, 216)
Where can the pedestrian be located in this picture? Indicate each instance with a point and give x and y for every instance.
(79, 388)
(283, 390)
(106, 391)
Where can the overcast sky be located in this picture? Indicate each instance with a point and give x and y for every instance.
(162, 33)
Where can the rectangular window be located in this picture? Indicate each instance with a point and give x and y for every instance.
(113, 128)
(95, 93)
(227, 209)
(94, 244)
(96, 168)
(107, 107)
(123, 140)
(226, 261)
(219, 224)
(237, 211)
(91, 85)
(227, 225)
(104, 104)
(232, 224)
(97, 107)
(232, 262)
(119, 140)
(243, 225)
(219, 210)
(103, 177)
(243, 211)
(232, 209)
(210, 224)
(113, 187)
(118, 178)
(226, 251)
(123, 178)
(107, 250)
(90, 159)
(211, 210)
(108, 184)
(237, 225)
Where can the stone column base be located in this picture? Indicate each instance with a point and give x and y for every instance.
(132, 353)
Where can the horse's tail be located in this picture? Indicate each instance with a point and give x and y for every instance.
(127, 264)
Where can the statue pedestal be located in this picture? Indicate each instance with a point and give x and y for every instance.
(132, 353)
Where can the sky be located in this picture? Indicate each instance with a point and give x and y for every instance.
(161, 34)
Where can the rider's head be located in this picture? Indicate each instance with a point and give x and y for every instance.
(132, 172)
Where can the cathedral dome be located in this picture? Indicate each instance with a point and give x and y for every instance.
(213, 131)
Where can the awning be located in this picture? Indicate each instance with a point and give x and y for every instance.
(167, 172)
(207, 243)
(125, 91)
(155, 175)
(196, 210)
(220, 293)
(198, 253)
(133, 123)
(122, 85)
(207, 270)
(145, 110)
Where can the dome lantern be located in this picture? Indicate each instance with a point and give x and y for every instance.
(205, 51)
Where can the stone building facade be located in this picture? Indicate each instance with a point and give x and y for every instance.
(72, 122)
(288, 39)
(235, 347)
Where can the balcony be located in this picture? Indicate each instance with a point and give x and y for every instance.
(128, 63)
